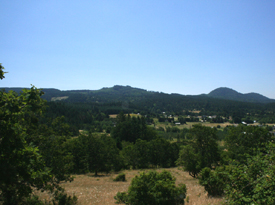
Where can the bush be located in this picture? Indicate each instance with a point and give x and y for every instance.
(153, 188)
(214, 181)
(59, 198)
(32, 200)
(121, 197)
(62, 198)
(253, 182)
(120, 177)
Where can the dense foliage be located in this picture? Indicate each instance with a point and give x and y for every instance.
(246, 178)
(243, 140)
(214, 180)
(22, 166)
(94, 154)
(131, 129)
(153, 188)
(202, 151)
(253, 182)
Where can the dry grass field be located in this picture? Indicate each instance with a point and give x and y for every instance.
(59, 98)
(132, 115)
(102, 189)
(189, 125)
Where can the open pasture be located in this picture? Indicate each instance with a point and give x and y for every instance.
(102, 189)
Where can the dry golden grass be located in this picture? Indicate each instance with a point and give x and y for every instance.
(59, 98)
(189, 125)
(132, 115)
(195, 111)
(216, 124)
(101, 190)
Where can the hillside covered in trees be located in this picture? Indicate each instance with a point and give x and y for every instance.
(220, 102)
(230, 94)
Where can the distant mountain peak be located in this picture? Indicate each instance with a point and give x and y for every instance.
(230, 94)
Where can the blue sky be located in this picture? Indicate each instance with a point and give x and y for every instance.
(186, 47)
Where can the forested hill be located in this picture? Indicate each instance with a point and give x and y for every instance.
(230, 94)
(115, 99)
(119, 93)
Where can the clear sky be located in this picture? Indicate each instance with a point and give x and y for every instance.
(172, 46)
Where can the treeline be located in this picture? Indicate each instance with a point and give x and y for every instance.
(133, 100)
(95, 117)
(100, 154)
(132, 144)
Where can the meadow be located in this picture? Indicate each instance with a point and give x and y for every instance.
(102, 189)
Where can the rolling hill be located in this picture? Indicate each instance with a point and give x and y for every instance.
(230, 94)
(128, 93)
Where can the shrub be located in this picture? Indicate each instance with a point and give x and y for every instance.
(32, 200)
(120, 177)
(153, 188)
(214, 181)
(62, 198)
(253, 182)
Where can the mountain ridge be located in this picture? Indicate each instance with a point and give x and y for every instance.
(119, 92)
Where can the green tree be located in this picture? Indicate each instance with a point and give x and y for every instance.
(2, 71)
(94, 154)
(56, 157)
(243, 140)
(136, 155)
(214, 181)
(21, 165)
(189, 159)
(153, 188)
(162, 153)
(130, 129)
(201, 152)
(253, 182)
